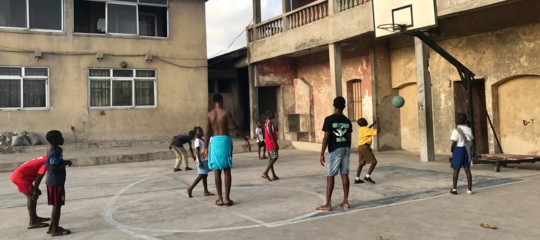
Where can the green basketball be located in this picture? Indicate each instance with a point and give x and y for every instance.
(398, 101)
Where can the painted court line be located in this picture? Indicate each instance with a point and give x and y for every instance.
(135, 231)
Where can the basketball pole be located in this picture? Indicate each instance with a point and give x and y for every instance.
(466, 75)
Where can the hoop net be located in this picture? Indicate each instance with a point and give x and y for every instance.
(390, 27)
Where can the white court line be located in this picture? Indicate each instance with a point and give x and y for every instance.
(134, 231)
(107, 215)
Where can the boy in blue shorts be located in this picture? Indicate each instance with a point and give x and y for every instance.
(56, 178)
(460, 136)
(337, 137)
(202, 164)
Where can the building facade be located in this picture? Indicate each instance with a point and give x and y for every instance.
(317, 50)
(103, 70)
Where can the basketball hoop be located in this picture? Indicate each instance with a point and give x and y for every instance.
(390, 27)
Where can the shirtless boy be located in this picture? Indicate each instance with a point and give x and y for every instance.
(218, 148)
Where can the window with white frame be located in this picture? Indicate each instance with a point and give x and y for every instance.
(23, 87)
(31, 14)
(130, 17)
(122, 88)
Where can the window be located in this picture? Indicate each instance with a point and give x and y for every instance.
(122, 88)
(131, 17)
(31, 14)
(354, 93)
(22, 88)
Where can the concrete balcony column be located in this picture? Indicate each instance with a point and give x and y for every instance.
(284, 20)
(425, 111)
(256, 11)
(334, 49)
(332, 6)
(253, 98)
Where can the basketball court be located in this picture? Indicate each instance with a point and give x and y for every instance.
(148, 201)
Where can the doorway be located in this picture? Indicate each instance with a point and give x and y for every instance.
(479, 110)
(267, 101)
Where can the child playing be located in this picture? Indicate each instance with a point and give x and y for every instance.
(56, 178)
(260, 139)
(365, 153)
(460, 158)
(202, 164)
(27, 177)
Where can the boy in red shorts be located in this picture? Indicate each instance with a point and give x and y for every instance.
(56, 178)
(27, 177)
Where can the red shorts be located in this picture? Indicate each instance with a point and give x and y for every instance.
(56, 195)
(24, 187)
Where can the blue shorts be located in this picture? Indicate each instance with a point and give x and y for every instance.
(460, 158)
(204, 169)
(339, 161)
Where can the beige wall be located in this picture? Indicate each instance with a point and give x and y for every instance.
(494, 56)
(519, 115)
(178, 110)
(409, 118)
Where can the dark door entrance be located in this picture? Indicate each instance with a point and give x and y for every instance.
(267, 101)
(479, 110)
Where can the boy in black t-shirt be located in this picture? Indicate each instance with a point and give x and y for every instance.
(337, 137)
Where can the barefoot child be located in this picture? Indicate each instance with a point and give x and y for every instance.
(202, 164)
(337, 137)
(56, 178)
(270, 139)
(365, 153)
(218, 145)
(27, 178)
(459, 137)
(260, 140)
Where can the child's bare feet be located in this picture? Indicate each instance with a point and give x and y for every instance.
(60, 231)
(37, 225)
(219, 202)
(325, 208)
(189, 191)
(344, 205)
(41, 219)
(265, 176)
(229, 202)
(275, 178)
(206, 194)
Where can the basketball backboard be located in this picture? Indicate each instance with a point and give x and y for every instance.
(393, 16)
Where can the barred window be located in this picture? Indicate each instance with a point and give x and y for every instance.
(23, 88)
(122, 88)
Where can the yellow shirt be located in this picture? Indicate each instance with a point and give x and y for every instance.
(365, 135)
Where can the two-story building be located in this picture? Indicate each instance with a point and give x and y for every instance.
(103, 69)
(316, 50)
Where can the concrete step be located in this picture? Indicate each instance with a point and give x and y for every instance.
(111, 153)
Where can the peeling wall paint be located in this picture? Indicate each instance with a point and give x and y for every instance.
(494, 56)
(306, 83)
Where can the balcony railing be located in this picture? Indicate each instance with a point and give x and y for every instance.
(307, 14)
(270, 27)
(343, 5)
(299, 17)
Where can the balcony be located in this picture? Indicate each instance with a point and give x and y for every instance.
(304, 15)
(312, 25)
(328, 21)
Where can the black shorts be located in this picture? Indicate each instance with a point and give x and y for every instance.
(261, 144)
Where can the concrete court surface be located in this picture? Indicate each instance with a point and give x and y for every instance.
(411, 200)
